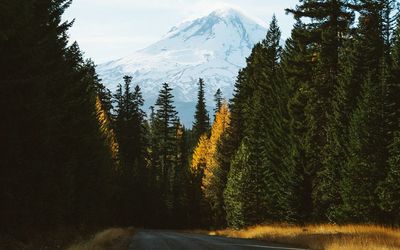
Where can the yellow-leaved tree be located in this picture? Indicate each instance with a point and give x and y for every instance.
(205, 167)
(199, 158)
(106, 130)
(221, 123)
(204, 155)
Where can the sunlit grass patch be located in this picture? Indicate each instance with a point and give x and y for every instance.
(327, 236)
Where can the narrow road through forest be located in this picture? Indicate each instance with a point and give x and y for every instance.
(169, 240)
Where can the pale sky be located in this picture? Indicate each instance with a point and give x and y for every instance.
(111, 29)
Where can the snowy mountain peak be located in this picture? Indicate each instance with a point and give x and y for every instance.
(226, 12)
(213, 47)
(211, 32)
(233, 13)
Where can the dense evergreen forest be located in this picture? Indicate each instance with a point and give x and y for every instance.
(312, 133)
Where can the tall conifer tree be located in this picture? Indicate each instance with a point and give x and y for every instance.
(201, 124)
(164, 130)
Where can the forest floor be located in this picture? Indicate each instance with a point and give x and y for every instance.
(35, 238)
(68, 238)
(327, 237)
(110, 239)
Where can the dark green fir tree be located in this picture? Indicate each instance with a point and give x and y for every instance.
(201, 124)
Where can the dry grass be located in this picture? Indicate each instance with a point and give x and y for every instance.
(110, 239)
(329, 237)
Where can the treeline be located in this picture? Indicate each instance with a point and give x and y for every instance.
(150, 158)
(155, 186)
(314, 128)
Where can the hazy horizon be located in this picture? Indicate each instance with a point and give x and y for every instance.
(107, 30)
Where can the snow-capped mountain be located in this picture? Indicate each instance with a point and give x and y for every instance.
(213, 47)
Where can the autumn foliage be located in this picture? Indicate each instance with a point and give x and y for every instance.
(105, 128)
(205, 163)
(220, 125)
(204, 154)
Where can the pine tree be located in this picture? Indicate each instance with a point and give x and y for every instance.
(165, 146)
(124, 123)
(261, 172)
(130, 127)
(330, 21)
(337, 135)
(389, 189)
(139, 142)
(297, 73)
(265, 112)
(123, 112)
(138, 125)
(365, 166)
(389, 21)
(201, 122)
(273, 121)
(165, 118)
(199, 208)
(231, 140)
(180, 181)
(371, 118)
(218, 99)
(393, 86)
(235, 193)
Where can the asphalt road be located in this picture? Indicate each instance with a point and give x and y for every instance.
(169, 240)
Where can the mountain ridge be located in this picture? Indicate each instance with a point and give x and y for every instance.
(213, 47)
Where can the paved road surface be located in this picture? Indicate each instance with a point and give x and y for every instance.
(169, 240)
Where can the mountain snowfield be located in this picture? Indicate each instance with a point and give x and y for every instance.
(213, 47)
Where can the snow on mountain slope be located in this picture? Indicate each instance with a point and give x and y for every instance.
(213, 47)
